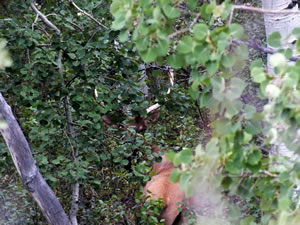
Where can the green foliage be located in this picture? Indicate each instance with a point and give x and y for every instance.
(233, 147)
(112, 163)
(150, 211)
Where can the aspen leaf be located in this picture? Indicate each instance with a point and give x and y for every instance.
(236, 30)
(200, 31)
(277, 59)
(272, 91)
(171, 12)
(3, 125)
(185, 45)
(274, 39)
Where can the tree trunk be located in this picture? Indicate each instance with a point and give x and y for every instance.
(284, 24)
(30, 175)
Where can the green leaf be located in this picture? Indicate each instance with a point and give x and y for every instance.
(205, 11)
(274, 39)
(186, 156)
(257, 63)
(145, 3)
(218, 84)
(171, 12)
(247, 221)
(236, 88)
(123, 36)
(185, 45)
(258, 75)
(175, 175)
(191, 4)
(233, 167)
(296, 32)
(228, 60)
(162, 47)
(254, 157)
(236, 30)
(170, 156)
(194, 89)
(200, 31)
(142, 43)
(119, 22)
(184, 181)
(253, 127)
(218, 10)
(176, 61)
(242, 52)
(284, 203)
(182, 157)
(298, 46)
(250, 110)
(157, 15)
(72, 55)
(143, 29)
(222, 126)
(222, 44)
(149, 55)
(233, 108)
(272, 91)
(278, 60)
(115, 6)
(3, 125)
(212, 67)
(202, 54)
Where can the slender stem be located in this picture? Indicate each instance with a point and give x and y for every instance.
(45, 19)
(260, 10)
(254, 45)
(70, 133)
(87, 14)
(185, 29)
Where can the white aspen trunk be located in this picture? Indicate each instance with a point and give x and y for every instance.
(284, 24)
(27, 169)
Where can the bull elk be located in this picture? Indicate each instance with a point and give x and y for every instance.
(159, 186)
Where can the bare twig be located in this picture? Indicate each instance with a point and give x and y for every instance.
(43, 45)
(260, 10)
(269, 174)
(51, 14)
(70, 133)
(265, 11)
(171, 79)
(34, 22)
(45, 19)
(185, 29)
(75, 25)
(87, 14)
(253, 44)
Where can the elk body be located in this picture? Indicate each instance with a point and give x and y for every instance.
(160, 187)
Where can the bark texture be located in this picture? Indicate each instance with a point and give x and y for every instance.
(284, 24)
(30, 175)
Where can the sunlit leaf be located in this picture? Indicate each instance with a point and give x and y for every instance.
(274, 39)
(200, 31)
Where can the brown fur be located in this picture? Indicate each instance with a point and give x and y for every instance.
(160, 186)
